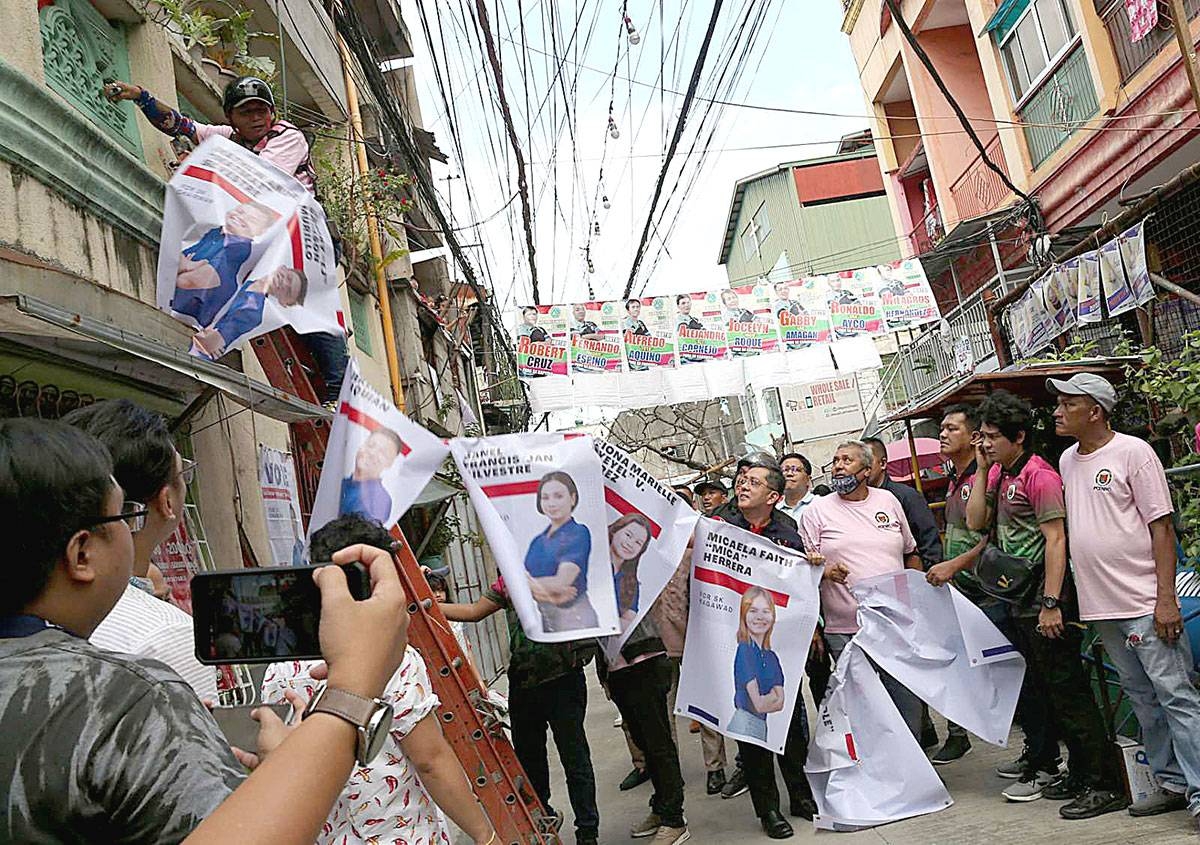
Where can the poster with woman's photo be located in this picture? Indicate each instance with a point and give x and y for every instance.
(540, 501)
(853, 300)
(648, 329)
(542, 340)
(1088, 299)
(749, 322)
(377, 460)
(1058, 294)
(1114, 279)
(751, 619)
(648, 531)
(905, 296)
(1133, 253)
(802, 312)
(595, 333)
(700, 332)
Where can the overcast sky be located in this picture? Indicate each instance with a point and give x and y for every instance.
(805, 63)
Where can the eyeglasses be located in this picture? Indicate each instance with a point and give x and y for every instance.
(132, 514)
(188, 473)
(791, 470)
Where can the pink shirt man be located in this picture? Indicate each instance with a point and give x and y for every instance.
(870, 537)
(286, 149)
(1113, 494)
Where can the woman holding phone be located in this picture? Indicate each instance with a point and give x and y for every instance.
(628, 539)
(757, 675)
(557, 559)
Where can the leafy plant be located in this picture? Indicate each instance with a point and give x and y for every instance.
(347, 198)
(222, 29)
(1185, 490)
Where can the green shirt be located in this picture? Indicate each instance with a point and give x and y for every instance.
(530, 663)
(959, 538)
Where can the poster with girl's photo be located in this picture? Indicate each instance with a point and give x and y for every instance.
(595, 332)
(1133, 253)
(749, 322)
(1088, 299)
(377, 461)
(540, 501)
(801, 311)
(751, 618)
(1114, 279)
(649, 526)
(542, 340)
(1058, 294)
(700, 330)
(648, 329)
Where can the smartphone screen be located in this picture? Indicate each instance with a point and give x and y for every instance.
(262, 615)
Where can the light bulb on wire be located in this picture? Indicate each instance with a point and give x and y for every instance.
(596, 227)
(613, 131)
(634, 38)
(604, 201)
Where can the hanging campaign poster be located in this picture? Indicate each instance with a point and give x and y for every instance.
(1030, 325)
(700, 328)
(377, 461)
(801, 310)
(1133, 252)
(542, 341)
(176, 560)
(1089, 288)
(595, 330)
(281, 506)
(905, 295)
(853, 300)
(649, 527)
(751, 618)
(1058, 295)
(748, 320)
(245, 250)
(1117, 292)
(648, 329)
(540, 501)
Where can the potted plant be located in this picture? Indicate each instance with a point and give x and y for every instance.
(219, 35)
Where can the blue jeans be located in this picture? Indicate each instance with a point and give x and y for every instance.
(905, 700)
(1158, 680)
(330, 353)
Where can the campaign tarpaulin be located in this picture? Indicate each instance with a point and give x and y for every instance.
(649, 526)
(176, 559)
(752, 612)
(595, 330)
(281, 506)
(853, 302)
(648, 329)
(1058, 294)
(749, 323)
(541, 338)
(1113, 279)
(864, 765)
(1088, 300)
(245, 250)
(905, 295)
(802, 312)
(540, 501)
(1030, 326)
(377, 461)
(1133, 253)
(700, 328)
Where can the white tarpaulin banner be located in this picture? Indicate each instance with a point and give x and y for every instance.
(864, 765)
(648, 531)
(752, 614)
(245, 250)
(540, 500)
(943, 648)
(281, 506)
(378, 460)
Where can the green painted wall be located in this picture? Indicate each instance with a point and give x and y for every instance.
(778, 193)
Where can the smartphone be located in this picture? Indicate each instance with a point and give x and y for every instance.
(263, 615)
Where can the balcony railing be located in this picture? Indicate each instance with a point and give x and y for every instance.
(979, 189)
(927, 363)
(928, 233)
(1064, 101)
(1132, 57)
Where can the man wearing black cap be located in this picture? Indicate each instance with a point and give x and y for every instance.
(712, 495)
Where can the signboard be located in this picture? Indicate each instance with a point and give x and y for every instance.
(281, 506)
(821, 408)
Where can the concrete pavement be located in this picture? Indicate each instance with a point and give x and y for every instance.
(978, 815)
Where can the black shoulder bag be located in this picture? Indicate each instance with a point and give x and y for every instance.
(1003, 576)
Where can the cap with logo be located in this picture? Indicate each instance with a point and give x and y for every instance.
(1086, 384)
(244, 89)
(758, 459)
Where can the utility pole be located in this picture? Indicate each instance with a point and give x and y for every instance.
(1187, 49)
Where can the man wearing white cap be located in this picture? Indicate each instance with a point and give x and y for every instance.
(1123, 555)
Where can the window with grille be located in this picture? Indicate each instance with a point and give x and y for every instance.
(1032, 45)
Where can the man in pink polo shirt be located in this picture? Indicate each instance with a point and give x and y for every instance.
(1123, 555)
(861, 532)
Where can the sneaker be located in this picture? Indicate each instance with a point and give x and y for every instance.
(736, 785)
(956, 748)
(648, 827)
(1013, 769)
(1094, 802)
(716, 780)
(1160, 801)
(634, 779)
(1064, 788)
(672, 835)
(1029, 786)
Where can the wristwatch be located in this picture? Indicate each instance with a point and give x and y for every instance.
(371, 717)
(1050, 602)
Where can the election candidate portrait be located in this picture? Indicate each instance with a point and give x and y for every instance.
(529, 326)
(556, 562)
(363, 491)
(757, 674)
(286, 285)
(628, 538)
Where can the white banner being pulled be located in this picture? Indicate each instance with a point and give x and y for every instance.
(648, 531)
(540, 500)
(378, 460)
(752, 614)
(245, 250)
